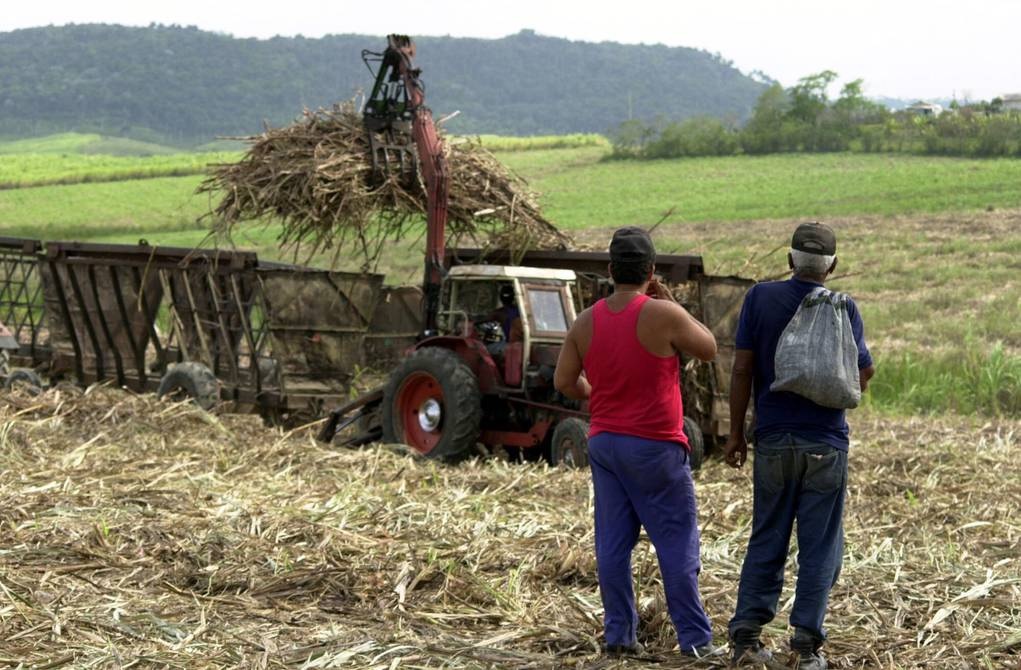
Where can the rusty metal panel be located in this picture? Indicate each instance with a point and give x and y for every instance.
(103, 301)
(101, 318)
(722, 298)
(721, 301)
(210, 306)
(316, 321)
(396, 324)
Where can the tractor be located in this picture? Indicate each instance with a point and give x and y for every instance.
(481, 371)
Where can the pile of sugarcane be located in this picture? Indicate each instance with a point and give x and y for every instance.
(316, 177)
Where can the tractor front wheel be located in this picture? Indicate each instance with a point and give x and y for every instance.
(696, 442)
(569, 448)
(432, 404)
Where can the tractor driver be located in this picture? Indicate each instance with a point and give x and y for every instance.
(508, 315)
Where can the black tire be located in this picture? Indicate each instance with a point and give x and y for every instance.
(192, 379)
(695, 441)
(569, 447)
(25, 379)
(440, 378)
(5, 364)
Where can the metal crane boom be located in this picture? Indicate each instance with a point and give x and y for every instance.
(398, 96)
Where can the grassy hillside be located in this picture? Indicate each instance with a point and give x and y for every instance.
(84, 143)
(192, 85)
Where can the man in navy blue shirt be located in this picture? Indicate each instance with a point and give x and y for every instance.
(800, 465)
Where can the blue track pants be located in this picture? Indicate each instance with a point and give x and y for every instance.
(637, 483)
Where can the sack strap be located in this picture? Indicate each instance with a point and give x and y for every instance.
(820, 295)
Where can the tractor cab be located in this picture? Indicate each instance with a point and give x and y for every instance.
(486, 376)
(520, 315)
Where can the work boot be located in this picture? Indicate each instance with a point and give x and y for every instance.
(748, 649)
(623, 649)
(810, 660)
(806, 646)
(752, 655)
(704, 651)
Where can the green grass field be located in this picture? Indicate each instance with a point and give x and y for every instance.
(929, 246)
(84, 143)
(28, 170)
(581, 190)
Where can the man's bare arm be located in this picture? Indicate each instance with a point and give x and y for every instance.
(692, 336)
(736, 450)
(568, 378)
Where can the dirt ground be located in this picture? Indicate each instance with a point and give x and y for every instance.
(142, 534)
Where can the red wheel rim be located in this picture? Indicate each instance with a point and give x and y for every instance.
(419, 404)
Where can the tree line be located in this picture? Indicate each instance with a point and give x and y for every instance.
(181, 85)
(802, 118)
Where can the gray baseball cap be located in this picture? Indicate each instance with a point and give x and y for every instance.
(815, 238)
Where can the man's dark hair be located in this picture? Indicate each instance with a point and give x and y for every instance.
(506, 294)
(630, 272)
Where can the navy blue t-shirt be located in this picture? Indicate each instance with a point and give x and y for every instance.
(767, 310)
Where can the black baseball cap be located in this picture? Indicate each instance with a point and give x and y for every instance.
(631, 244)
(815, 238)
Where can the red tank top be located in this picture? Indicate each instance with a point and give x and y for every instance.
(634, 392)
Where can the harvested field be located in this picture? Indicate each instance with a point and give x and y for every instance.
(142, 534)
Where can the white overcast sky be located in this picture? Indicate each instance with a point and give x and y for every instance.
(901, 48)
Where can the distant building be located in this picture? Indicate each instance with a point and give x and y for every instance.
(1011, 102)
(922, 108)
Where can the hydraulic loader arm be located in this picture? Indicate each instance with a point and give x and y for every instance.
(389, 104)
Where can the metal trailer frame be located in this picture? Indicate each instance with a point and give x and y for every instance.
(103, 301)
(22, 307)
(279, 338)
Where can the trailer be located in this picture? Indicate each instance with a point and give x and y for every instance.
(279, 340)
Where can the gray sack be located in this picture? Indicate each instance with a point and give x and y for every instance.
(817, 356)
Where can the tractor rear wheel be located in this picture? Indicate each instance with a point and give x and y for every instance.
(569, 448)
(432, 404)
(696, 442)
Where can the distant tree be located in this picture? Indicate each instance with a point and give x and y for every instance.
(630, 138)
(764, 132)
(808, 96)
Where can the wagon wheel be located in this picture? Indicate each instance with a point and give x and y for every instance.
(192, 380)
(569, 448)
(696, 442)
(25, 379)
(432, 404)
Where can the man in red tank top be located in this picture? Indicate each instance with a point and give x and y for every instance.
(627, 347)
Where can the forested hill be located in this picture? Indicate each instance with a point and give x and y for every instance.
(184, 85)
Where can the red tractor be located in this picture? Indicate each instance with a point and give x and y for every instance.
(482, 370)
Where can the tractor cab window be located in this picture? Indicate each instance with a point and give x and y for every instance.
(548, 314)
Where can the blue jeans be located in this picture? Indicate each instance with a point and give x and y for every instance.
(637, 483)
(803, 481)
